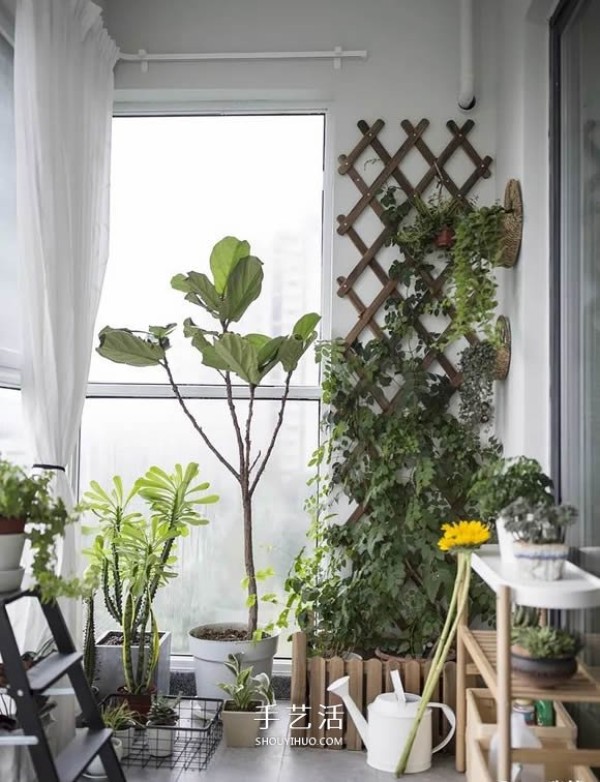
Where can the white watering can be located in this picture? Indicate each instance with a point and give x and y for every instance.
(391, 716)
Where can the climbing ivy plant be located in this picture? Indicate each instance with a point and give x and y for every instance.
(382, 581)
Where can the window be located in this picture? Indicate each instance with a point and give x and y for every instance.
(575, 48)
(10, 325)
(179, 184)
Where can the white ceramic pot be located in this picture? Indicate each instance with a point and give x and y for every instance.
(10, 580)
(127, 739)
(96, 767)
(209, 658)
(241, 728)
(11, 548)
(160, 741)
(505, 541)
(544, 561)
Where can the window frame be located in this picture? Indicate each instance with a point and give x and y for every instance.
(183, 663)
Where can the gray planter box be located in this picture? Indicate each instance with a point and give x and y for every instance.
(109, 666)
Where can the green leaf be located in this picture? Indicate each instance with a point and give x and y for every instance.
(291, 351)
(243, 287)
(262, 575)
(162, 331)
(199, 290)
(270, 597)
(210, 357)
(306, 325)
(124, 347)
(239, 356)
(224, 257)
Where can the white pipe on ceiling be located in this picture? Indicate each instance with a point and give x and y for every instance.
(466, 96)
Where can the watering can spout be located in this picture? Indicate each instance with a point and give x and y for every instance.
(341, 688)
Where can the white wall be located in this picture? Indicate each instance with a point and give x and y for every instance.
(411, 72)
(523, 403)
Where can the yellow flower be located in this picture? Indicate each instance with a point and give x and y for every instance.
(463, 535)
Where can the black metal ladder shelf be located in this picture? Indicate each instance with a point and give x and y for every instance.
(24, 685)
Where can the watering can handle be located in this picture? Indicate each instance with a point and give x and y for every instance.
(449, 714)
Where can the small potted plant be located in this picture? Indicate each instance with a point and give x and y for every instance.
(160, 726)
(501, 481)
(539, 536)
(544, 656)
(29, 511)
(248, 694)
(121, 719)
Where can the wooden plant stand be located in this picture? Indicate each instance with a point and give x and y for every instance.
(489, 655)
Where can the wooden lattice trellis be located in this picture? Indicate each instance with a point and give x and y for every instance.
(392, 165)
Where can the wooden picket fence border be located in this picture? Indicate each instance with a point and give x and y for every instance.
(368, 678)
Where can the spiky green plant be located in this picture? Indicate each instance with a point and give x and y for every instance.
(546, 642)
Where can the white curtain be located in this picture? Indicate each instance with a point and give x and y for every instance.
(64, 84)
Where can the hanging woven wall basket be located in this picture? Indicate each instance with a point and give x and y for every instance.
(512, 223)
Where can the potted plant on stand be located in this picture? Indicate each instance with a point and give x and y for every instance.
(160, 726)
(29, 511)
(133, 555)
(247, 359)
(544, 656)
(248, 694)
(499, 482)
(539, 537)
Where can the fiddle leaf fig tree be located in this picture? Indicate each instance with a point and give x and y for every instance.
(236, 283)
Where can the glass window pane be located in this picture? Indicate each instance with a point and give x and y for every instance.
(127, 436)
(179, 184)
(13, 444)
(10, 325)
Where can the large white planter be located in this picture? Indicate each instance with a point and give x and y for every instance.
(209, 657)
(109, 666)
(11, 548)
(10, 580)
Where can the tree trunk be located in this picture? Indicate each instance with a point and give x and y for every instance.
(249, 558)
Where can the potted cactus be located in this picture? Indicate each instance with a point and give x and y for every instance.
(160, 726)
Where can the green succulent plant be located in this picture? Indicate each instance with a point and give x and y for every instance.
(546, 642)
(163, 711)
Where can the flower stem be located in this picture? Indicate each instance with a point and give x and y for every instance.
(460, 595)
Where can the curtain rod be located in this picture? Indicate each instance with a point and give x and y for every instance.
(337, 55)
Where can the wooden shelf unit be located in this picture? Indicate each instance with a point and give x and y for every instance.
(489, 653)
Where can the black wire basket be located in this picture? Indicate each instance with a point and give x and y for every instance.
(188, 745)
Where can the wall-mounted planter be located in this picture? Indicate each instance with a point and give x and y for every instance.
(512, 224)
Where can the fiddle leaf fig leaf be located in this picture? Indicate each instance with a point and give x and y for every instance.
(124, 347)
(160, 332)
(292, 350)
(197, 335)
(306, 325)
(243, 287)
(240, 357)
(224, 257)
(199, 290)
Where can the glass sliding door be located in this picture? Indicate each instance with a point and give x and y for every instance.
(575, 121)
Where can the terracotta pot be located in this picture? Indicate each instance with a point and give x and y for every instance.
(541, 672)
(139, 703)
(11, 526)
(445, 238)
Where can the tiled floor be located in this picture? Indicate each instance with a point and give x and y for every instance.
(281, 763)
